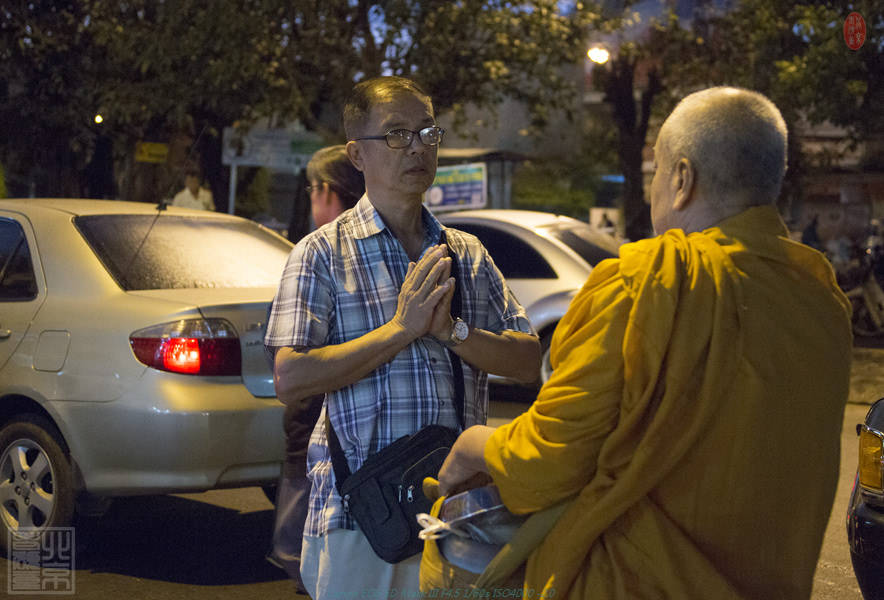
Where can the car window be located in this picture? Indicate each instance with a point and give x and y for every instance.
(17, 280)
(515, 258)
(592, 245)
(146, 252)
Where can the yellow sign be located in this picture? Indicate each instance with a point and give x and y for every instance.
(151, 152)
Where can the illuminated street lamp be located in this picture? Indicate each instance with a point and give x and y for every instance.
(98, 119)
(598, 55)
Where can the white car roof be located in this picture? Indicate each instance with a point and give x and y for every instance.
(86, 206)
(524, 218)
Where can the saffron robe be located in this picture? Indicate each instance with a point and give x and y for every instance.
(695, 411)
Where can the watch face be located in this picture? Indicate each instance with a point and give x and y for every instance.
(461, 331)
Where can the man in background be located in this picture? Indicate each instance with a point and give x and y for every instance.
(194, 195)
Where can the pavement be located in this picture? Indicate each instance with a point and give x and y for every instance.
(867, 375)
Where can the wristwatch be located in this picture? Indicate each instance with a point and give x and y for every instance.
(459, 332)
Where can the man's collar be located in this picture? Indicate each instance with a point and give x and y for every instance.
(367, 221)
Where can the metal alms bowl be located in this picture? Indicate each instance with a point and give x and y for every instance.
(483, 525)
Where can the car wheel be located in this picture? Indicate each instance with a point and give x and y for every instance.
(868, 576)
(545, 366)
(36, 479)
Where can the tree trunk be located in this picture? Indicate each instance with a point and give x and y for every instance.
(635, 210)
(210, 147)
(632, 128)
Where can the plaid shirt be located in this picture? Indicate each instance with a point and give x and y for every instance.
(341, 282)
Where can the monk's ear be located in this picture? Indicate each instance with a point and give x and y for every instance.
(685, 181)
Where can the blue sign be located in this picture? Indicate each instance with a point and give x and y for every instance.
(458, 187)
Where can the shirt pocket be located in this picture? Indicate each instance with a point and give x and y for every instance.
(365, 299)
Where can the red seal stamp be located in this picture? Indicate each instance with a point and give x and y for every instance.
(854, 31)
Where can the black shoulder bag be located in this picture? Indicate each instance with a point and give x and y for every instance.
(385, 494)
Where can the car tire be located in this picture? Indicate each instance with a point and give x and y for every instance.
(545, 366)
(868, 576)
(36, 479)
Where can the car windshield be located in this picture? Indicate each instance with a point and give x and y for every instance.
(592, 245)
(184, 252)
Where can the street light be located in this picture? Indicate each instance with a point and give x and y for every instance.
(98, 119)
(598, 55)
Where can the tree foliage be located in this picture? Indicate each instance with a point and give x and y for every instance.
(156, 69)
(793, 52)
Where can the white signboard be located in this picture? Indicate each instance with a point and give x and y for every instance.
(272, 148)
(458, 187)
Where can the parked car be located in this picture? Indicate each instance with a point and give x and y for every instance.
(545, 259)
(865, 511)
(131, 355)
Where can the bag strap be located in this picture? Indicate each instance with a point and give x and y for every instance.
(524, 541)
(456, 311)
(339, 461)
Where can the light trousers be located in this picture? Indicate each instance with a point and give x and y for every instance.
(342, 566)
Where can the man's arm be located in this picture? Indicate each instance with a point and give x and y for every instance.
(299, 373)
(551, 451)
(512, 354)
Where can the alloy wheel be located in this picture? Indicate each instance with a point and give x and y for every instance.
(27, 491)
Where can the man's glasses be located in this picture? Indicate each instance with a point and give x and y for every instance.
(401, 138)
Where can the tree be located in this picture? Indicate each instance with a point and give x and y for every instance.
(793, 52)
(632, 82)
(46, 100)
(160, 69)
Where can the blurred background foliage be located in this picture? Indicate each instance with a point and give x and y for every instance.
(158, 71)
(179, 72)
(252, 193)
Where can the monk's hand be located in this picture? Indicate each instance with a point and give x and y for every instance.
(421, 291)
(465, 468)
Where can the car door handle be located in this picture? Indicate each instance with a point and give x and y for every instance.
(5, 333)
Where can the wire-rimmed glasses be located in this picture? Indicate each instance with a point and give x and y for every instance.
(402, 138)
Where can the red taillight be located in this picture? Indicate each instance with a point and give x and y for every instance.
(193, 347)
(182, 355)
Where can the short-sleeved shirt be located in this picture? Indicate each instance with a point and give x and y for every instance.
(341, 282)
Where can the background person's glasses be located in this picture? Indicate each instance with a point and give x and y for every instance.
(332, 186)
(401, 138)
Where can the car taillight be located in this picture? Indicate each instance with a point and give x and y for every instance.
(190, 346)
(871, 459)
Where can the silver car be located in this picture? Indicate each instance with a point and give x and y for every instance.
(131, 355)
(544, 257)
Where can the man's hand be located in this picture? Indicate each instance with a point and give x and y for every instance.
(421, 291)
(441, 323)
